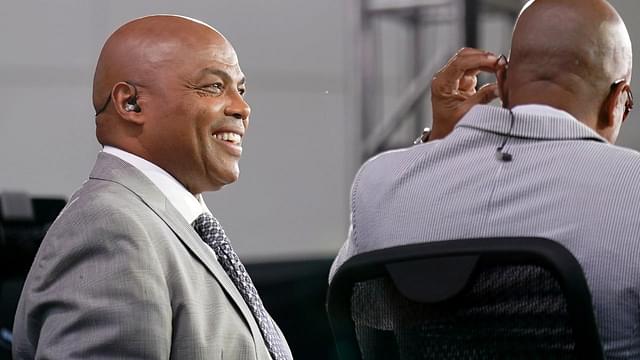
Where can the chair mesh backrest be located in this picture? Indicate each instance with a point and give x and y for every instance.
(506, 312)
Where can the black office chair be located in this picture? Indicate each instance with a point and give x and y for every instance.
(487, 298)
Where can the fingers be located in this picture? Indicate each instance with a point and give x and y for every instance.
(460, 73)
(453, 88)
(467, 60)
(468, 82)
(484, 95)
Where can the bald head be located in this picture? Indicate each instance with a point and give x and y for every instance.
(169, 89)
(581, 37)
(567, 53)
(143, 47)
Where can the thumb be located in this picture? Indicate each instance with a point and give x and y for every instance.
(484, 95)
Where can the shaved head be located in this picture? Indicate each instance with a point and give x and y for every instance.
(141, 48)
(586, 38)
(567, 53)
(169, 89)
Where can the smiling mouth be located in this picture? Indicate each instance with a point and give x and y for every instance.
(230, 137)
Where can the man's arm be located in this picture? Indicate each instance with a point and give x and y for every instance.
(95, 291)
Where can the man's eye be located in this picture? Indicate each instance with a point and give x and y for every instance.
(215, 88)
(242, 91)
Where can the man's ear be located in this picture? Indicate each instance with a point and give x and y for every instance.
(501, 78)
(125, 99)
(614, 109)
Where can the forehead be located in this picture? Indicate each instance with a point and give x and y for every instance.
(213, 59)
(222, 53)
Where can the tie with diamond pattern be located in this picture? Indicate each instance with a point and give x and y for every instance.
(211, 232)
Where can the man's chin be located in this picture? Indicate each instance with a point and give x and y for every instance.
(227, 178)
(232, 177)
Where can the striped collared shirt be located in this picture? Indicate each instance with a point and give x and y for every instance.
(565, 182)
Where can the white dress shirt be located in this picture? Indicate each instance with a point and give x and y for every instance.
(188, 205)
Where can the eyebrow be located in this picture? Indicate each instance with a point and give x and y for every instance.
(221, 73)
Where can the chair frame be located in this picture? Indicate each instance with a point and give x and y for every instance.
(542, 252)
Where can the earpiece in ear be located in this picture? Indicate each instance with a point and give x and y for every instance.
(132, 105)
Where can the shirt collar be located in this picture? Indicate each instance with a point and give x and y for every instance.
(542, 110)
(531, 121)
(188, 205)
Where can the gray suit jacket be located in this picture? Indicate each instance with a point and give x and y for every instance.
(564, 183)
(121, 275)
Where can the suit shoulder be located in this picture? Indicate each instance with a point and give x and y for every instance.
(101, 214)
(99, 200)
(97, 265)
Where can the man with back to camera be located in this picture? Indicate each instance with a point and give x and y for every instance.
(565, 93)
(136, 266)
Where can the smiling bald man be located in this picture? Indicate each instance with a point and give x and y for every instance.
(136, 266)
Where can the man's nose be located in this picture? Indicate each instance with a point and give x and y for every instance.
(237, 107)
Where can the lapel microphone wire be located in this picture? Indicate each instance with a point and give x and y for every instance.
(502, 155)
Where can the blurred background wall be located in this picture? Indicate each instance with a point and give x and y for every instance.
(302, 148)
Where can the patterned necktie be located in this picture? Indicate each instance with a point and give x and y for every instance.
(211, 232)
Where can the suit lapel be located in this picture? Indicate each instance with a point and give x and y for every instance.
(114, 169)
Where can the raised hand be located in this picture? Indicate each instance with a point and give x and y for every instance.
(453, 88)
